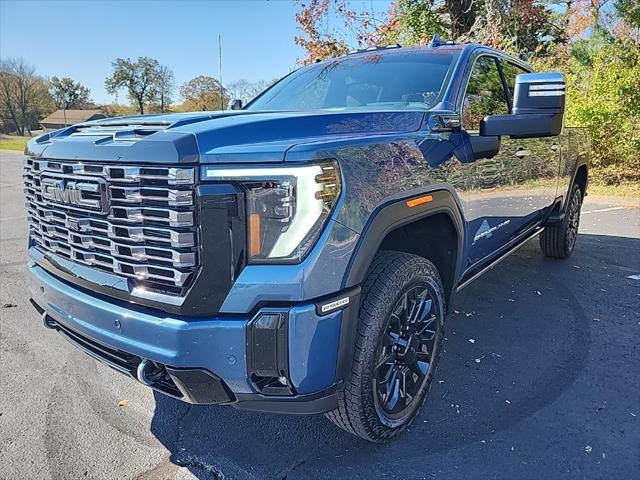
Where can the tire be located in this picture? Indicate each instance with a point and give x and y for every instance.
(402, 293)
(558, 240)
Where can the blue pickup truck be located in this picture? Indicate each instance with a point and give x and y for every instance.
(298, 254)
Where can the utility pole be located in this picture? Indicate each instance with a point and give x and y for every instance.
(220, 69)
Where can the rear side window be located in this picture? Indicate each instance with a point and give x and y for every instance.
(485, 94)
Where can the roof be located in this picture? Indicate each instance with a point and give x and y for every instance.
(440, 47)
(73, 116)
(465, 49)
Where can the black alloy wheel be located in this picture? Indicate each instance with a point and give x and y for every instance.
(404, 359)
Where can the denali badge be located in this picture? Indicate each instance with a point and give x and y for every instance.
(334, 305)
(80, 192)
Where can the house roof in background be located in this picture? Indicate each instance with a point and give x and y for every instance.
(73, 116)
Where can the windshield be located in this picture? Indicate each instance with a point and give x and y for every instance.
(408, 79)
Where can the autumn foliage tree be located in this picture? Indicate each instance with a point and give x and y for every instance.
(204, 93)
(139, 78)
(23, 95)
(318, 42)
(67, 93)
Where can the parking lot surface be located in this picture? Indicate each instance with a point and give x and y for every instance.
(539, 379)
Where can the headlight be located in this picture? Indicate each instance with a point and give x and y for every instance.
(287, 207)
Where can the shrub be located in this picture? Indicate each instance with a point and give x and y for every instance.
(603, 96)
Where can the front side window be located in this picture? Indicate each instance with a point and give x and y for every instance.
(511, 71)
(409, 79)
(485, 94)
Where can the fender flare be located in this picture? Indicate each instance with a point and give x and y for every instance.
(392, 213)
(584, 162)
(557, 213)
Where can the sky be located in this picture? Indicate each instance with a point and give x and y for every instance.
(80, 39)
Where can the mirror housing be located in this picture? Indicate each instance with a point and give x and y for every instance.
(484, 146)
(538, 108)
(236, 104)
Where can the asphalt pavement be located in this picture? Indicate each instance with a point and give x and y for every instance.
(539, 379)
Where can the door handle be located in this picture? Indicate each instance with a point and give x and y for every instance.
(522, 152)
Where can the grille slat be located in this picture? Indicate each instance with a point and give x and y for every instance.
(125, 174)
(145, 232)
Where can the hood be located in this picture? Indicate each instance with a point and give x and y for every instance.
(213, 137)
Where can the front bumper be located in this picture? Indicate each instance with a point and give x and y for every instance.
(206, 359)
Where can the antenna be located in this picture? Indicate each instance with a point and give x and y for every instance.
(437, 41)
(220, 71)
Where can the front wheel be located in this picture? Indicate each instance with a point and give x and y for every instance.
(398, 343)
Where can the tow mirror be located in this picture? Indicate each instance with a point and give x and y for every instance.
(236, 104)
(538, 108)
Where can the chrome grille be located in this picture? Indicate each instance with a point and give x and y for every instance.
(136, 222)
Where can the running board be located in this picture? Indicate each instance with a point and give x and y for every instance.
(515, 247)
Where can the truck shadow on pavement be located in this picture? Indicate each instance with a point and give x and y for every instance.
(516, 340)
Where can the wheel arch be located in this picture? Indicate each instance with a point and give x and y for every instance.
(394, 225)
(581, 178)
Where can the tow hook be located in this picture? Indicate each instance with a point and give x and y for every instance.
(48, 321)
(148, 373)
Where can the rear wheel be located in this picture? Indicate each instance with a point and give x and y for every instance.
(558, 240)
(398, 343)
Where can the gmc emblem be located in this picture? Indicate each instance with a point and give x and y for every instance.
(88, 193)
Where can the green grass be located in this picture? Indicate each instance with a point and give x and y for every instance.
(625, 189)
(13, 142)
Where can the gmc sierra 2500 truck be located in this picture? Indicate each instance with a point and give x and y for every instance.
(298, 254)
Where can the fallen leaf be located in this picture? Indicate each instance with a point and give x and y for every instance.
(123, 403)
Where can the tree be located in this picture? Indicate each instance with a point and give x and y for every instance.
(518, 26)
(140, 79)
(246, 91)
(165, 85)
(319, 44)
(68, 94)
(23, 94)
(117, 110)
(204, 93)
(629, 11)
(628, 26)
